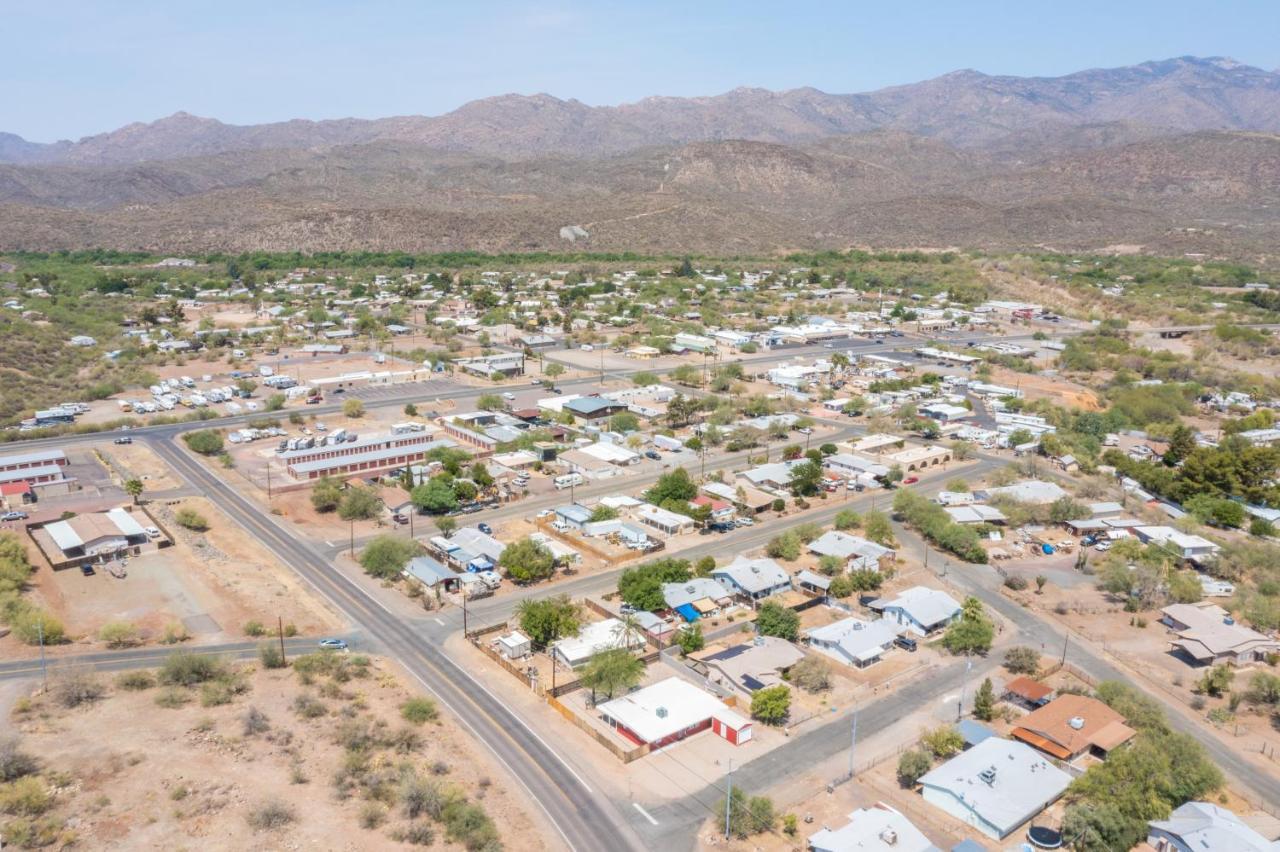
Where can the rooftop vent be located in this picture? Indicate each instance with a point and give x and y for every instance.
(662, 712)
(1076, 722)
(988, 776)
(889, 837)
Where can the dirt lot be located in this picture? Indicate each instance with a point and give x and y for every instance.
(196, 775)
(137, 460)
(211, 583)
(1058, 390)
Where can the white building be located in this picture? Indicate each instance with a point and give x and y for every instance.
(598, 636)
(921, 610)
(878, 828)
(995, 786)
(854, 642)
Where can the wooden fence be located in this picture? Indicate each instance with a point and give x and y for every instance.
(623, 754)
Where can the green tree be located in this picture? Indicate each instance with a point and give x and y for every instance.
(984, 701)
(1022, 660)
(806, 478)
(675, 486)
(435, 496)
(601, 512)
(972, 633)
(773, 619)
(611, 671)
(527, 561)
(386, 556)
(1182, 441)
(812, 674)
(690, 639)
(359, 504)
(771, 704)
(1216, 681)
(943, 742)
(490, 402)
(353, 408)
(876, 527)
(547, 619)
(326, 494)
(911, 765)
(847, 519)
(553, 371)
(206, 442)
(133, 487)
(747, 816)
(641, 587)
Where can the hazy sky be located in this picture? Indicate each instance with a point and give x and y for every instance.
(75, 67)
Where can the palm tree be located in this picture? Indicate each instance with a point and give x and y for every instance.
(133, 487)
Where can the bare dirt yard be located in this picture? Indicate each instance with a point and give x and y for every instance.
(210, 584)
(334, 752)
(139, 462)
(1056, 389)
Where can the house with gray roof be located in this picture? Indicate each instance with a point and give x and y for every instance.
(995, 786)
(1206, 827)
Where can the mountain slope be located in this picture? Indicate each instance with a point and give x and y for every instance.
(964, 108)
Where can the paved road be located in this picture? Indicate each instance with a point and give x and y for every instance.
(586, 821)
(146, 658)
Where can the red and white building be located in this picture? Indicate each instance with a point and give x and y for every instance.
(367, 455)
(671, 710)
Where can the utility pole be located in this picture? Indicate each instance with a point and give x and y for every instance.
(44, 668)
(464, 613)
(268, 480)
(728, 799)
(968, 664)
(353, 538)
(1065, 640)
(853, 741)
(280, 628)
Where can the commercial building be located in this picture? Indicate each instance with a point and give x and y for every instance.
(375, 453)
(506, 363)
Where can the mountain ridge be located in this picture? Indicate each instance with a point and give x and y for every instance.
(965, 107)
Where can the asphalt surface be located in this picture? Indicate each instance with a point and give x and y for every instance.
(152, 657)
(584, 820)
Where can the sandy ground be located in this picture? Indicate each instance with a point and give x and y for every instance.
(137, 460)
(189, 777)
(212, 583)
(1058, 390)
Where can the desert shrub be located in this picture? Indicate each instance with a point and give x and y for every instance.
(467, 823)
(192, 520)
(270, 815)
(1022, 660)
(309, 707)
(255, 722)
(215, 693)
(254, 628)
(372, 815)
(174, 633)
(270, 655)
(172, 698)
(119, 634)
(422, 797)
(186, 669)
(811, 674)
(14, 762)
(74, 687)
(27, 796)
(33, 625)
(943, 742)
(416, 834)
(1015, 582)
(419, 709)
(136, 681)
(912, 765)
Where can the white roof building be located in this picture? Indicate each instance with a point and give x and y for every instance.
(853, 641)
(612, 453)
(995, 786)
(753, 578)
(921, 609)
(592, 639)
(1031, 491)
(878, 828)
(1206, 827)
(669, 710)
(852, 548)
(1186, 546)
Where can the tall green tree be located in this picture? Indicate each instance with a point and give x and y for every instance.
(610, 672)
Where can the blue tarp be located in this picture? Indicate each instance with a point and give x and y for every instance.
(687, 612)
(480, 563)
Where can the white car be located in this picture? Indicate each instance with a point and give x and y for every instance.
(153, 532)
(1102, 546)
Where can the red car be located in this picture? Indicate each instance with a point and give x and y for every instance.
(911, 480)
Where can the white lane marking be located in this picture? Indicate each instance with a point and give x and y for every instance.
(644, 813)
(438, 621)
(328, 543)
(946, 698)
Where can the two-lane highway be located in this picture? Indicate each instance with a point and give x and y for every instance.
(585, 820)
